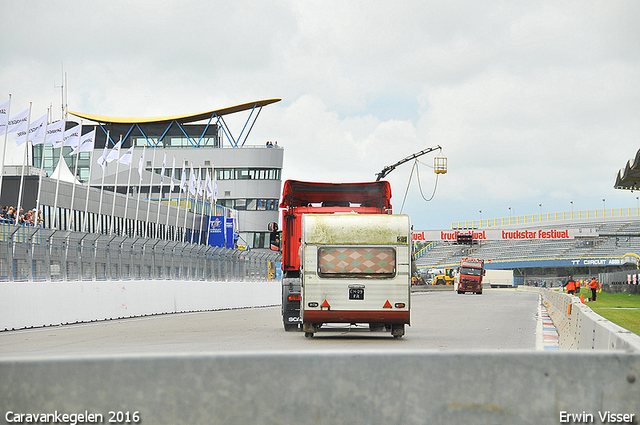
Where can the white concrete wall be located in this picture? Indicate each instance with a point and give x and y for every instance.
(579, 328)
(35, 304)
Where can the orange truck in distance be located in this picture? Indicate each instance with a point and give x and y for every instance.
(469, 276)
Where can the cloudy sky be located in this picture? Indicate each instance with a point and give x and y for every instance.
(533, 102)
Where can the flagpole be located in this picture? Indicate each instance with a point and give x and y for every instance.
(55, 201)
(205, 192)
(146, 224)
(140, 167)
(126, 202)
(24, 159)
(86, 205)
(44, 144)
(104, 171)
(182, 183)
(75, 173)
(164, 161)
(210, 196)
(171, 187)
(4, 147)
(186, 208)
(193, 225)
(115, 188)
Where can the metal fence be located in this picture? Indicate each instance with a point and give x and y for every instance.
(37, 254)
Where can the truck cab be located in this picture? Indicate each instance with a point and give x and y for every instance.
(469, 276)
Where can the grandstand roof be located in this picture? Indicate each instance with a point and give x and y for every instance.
(629, 177)
(184, 118)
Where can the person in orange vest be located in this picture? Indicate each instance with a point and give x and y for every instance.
(570, 286)
(593, 285)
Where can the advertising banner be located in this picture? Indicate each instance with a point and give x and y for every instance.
(496, 234)
(215, 231)
(229, 233)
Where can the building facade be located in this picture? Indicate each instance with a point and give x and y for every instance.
(248, 177)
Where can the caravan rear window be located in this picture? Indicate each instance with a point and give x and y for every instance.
(356, 262)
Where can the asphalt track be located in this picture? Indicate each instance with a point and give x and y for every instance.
(496, 320)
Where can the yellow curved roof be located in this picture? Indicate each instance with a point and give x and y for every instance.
(180, 118)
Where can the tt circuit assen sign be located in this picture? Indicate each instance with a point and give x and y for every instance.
(502, 234)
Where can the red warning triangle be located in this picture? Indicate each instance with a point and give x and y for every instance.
(325, 304)
(387, 304)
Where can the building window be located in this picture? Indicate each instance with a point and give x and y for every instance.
(248, 173)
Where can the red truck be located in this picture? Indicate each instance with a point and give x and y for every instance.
(469, 277)
(300, 198)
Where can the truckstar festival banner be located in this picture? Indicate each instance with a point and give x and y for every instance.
(503, 235)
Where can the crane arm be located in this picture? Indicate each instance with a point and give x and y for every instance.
(386, 170)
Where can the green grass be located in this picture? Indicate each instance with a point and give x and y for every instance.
(617, 308)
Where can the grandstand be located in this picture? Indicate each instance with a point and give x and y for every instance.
(612, 242)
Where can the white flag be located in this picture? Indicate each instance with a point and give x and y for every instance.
(86, 142)
(18, 121)
(4, 116)
(173, 173)
(102, 161)
(70, 138)
(164, 164)
(115, 152)
(215, 186)
(53, 135)
(126, 158)
(200, 185)
(34, 127)
(192, 182)
(141, 162)
(183, 179)
(209, 186)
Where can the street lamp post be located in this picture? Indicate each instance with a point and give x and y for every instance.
(571, 202)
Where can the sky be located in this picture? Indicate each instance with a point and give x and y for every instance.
(535, 104)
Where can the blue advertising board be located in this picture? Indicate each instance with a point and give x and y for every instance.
(229, 232)
(215, 231)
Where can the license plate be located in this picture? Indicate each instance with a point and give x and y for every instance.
(356, 294)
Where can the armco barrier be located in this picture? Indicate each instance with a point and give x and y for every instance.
(354, 387)
(579, 328)
(35, 304)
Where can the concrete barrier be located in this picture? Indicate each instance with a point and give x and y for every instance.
(35, 304)
(354, 387)
(579, 328)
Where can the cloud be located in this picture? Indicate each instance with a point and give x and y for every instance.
(532, 102)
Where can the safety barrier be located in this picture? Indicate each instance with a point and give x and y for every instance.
(50, 277)
(37, 254)
(579, 328)
(346, 387)
(37, 304)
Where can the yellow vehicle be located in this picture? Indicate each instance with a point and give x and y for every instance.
(444, 276)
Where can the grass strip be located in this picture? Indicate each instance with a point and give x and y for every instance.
(622, 309)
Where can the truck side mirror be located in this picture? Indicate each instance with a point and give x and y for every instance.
(274, 241)
(274, 236)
